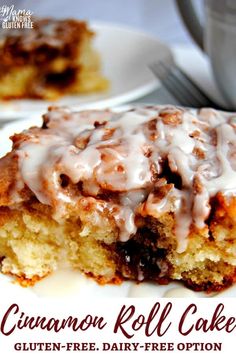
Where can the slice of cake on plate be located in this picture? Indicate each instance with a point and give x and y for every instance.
(54, 58)
(145, 194)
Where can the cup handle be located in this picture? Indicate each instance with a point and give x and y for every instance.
(191, 20)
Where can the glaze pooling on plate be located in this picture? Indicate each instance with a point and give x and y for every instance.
(83, 288)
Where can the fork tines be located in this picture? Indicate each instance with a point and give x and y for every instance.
(181, 86)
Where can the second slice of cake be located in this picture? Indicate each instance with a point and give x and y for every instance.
(54, 58)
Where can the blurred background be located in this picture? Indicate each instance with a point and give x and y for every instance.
(158, 17)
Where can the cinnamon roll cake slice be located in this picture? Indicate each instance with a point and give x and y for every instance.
(145, 194)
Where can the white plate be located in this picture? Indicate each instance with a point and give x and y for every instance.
(125, 55)
(78, 285)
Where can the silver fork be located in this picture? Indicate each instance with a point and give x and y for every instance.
(180, 85)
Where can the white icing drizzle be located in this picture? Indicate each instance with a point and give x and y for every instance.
(126, 154)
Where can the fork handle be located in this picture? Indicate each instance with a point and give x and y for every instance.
(191, 21)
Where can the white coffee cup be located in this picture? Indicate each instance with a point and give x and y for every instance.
(217, 38)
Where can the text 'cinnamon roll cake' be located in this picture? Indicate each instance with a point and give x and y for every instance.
(54, 58)
(146, 194)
